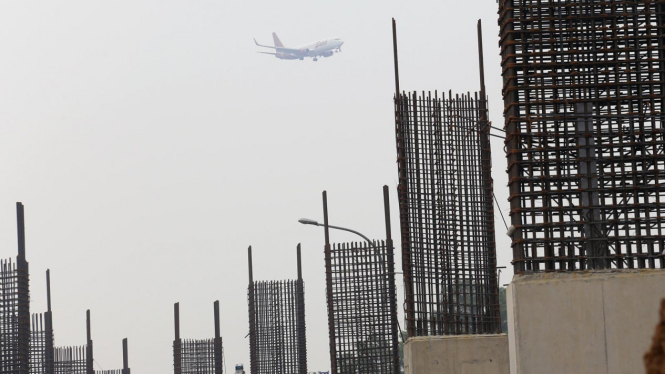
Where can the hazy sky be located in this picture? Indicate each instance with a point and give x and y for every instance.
(151, 145)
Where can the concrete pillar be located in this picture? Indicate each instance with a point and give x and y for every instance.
(460, 354)
(596, 322)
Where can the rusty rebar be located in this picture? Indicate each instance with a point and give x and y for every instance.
(277, 324)
(362, 302)
(584, 117)
(446, 211)
(15, 316)
(198, 356)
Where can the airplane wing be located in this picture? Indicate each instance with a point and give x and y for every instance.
(280, 49)
(268, 53)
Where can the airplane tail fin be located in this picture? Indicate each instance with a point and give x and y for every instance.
(278, 43)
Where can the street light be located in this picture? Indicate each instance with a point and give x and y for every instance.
(307, 221)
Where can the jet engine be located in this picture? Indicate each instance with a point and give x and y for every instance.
(304, 51)
(328, 54)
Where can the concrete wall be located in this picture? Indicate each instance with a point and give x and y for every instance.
(583, 322)
(464, 354)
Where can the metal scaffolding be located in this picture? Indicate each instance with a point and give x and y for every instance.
(362, 303)
(192, 356)
(583, 93)
(15, 307)
(277, 324)
(446, 211)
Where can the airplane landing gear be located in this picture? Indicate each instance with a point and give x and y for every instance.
(316, 59)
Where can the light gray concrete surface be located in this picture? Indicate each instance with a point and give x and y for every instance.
(464, 354)
(583, 322)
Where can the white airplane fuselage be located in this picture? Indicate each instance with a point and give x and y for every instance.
(323, 48)
(320, 48)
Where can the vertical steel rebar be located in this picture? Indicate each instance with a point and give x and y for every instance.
(392, 292)
(23, 296)
(491, 288)
(177, 342)
(90, 369)
(125, 357)
(252, 316)
(48, 322)
(301, 335)
(218, 341)
(327, 253)
(401, 192)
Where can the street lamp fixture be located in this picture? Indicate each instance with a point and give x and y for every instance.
(307, 221)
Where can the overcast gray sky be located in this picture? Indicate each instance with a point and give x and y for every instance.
(151, 145)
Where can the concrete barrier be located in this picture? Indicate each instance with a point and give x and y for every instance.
(597, 322)
(462, 354)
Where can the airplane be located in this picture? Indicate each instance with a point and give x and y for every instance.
(324, 48)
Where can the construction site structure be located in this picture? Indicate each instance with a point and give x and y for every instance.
(583, 90)
(197, 356)
(277, 339)
(446, 210)
(362, 302)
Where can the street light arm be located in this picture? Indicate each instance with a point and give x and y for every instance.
(308, 221)
(349, 230)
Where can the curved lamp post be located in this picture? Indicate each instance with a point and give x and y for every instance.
(307, 221)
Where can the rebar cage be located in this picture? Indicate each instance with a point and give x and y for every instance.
(41, 353)
(195, 356)
(583, 93)
(363, 304)
(277, 327)
(71, 360)
(14, 317)
(198, 356)
(446, 215)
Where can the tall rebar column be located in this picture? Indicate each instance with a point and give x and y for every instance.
(584, 118)
(362, 302)
(15, 307)
(446, 210)
(277, 324)
(197, 356)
